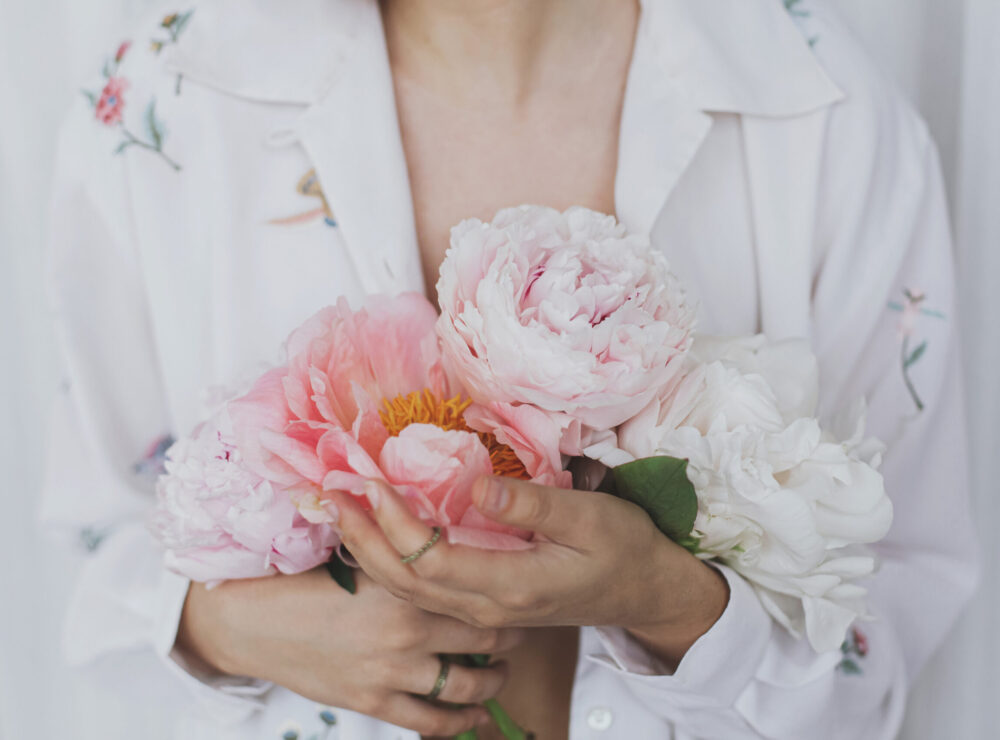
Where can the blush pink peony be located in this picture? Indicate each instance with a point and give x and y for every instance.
(566, 312)
(363, 395)
(219, 520)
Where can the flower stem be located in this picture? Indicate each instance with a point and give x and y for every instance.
(508, 726)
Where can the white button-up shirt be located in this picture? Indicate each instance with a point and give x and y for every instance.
(257, 174)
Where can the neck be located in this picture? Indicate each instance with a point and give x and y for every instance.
(507, 49)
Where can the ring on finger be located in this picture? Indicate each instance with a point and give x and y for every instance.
(442, 679)
(435, 536)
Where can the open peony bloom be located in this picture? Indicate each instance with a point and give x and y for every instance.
(364, 395)
(219, 520)
(563, 311)
(780, 500)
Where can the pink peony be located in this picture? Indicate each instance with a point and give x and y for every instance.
(364, 395)
(219, 520)
(566, 312)
(112, 101)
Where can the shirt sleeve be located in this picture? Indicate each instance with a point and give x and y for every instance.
(884, 328)
(110, 427)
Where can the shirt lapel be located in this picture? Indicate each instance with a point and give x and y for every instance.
(661, 130)
(352, 137)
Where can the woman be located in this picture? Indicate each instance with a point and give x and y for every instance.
(263, 158)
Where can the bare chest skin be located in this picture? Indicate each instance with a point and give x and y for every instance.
(471, 161)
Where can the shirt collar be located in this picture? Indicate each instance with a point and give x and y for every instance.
(732, 56)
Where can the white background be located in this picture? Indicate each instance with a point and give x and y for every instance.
(943, 53)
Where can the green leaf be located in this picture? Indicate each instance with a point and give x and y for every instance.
(153, 126)
(181, 22)
(91, 97)
(342, 573)
(915, 355)
(661, 487)
(849, 667)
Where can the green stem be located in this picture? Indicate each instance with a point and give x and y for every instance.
(906, 376)
(508, 726)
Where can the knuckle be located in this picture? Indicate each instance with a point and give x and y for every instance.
(464, 686)
(368, 703)
(519, 600)
(438, 725)
(432, 565)
(490, 640)
(489, 618)
(537, 508)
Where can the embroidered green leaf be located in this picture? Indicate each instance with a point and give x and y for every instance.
(849, 667)
(915, 355)
(661, 487)
(91, 97)
(122, 147)
(153, 128)
(181, 22)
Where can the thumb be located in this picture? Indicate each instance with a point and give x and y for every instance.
(525, 505)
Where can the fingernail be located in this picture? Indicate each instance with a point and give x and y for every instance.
(483, 719)
(497, 496)
(372, 493)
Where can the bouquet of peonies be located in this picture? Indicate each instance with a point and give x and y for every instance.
(560, 337)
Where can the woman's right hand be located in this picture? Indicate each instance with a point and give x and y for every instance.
(369, 652)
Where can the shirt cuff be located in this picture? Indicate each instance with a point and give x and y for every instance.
(228, 699)
(715, 670)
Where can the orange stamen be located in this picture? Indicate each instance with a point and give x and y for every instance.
(424, 407)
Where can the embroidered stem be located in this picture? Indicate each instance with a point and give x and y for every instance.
(906, 361)
(135, 141)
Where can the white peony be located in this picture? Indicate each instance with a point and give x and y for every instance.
(782, 501)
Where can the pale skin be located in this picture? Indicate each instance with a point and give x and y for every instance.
(528, 92)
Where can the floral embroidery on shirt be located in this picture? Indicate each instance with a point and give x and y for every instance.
(309, 186)
(796, 10)
(854, 649)
(912, 309)
(174, 24)
(152, 464)
(292, 730)
(92, 537)
(109, 109)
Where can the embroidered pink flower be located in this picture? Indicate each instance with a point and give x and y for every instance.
(566, 312)
(364, 395)
(112, 101)
(122, 51)
(860, 642)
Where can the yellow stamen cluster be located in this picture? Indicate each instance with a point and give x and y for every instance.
(424, 407)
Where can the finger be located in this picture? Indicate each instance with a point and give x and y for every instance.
(450, 635)
(403, 530)
(369, 547)
(431, 720)
(565, 516)
(463, 684)
(381, 562)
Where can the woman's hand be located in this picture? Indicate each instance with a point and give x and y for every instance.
(369, 652)
(598, 560)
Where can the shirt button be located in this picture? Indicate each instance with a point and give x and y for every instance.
(600, 718)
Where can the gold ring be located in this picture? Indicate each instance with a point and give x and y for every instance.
(424, 548)
(442, 679)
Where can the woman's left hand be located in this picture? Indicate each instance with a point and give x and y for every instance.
(596, 560)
